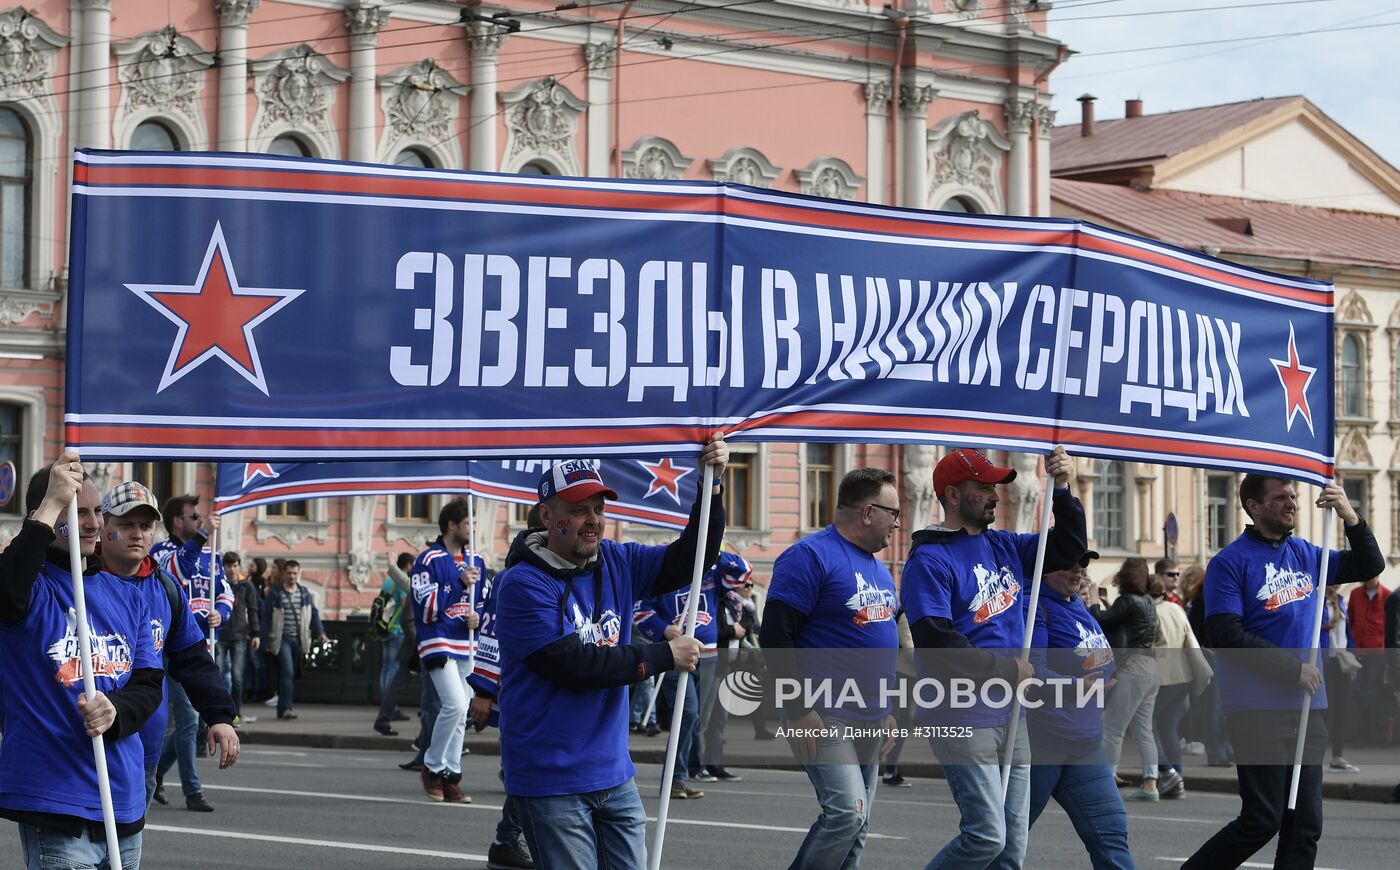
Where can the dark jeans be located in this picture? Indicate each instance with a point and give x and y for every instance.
(1371, 697)
(1211, 722)
(1089, 797)
(232, 659)
(1172, 703)
(509, 829)
(1261, 738)
(397, 677)
(1338, 704)
(428, 705)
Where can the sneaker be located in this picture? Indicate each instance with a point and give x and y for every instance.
(452, 793)
(509, 856)
(1175, 794)
(704, 775)
(1195, 747)
(723, 775)
(682, 792)
(897, 781)
(386, 729)
(432, 785)
(1144, 795)
(270, 702)
(1341, 765)
(287, 715)
(1169, 782)
(653, 729)
(159, 795)
(196, 803)
(414, 765)
(249, 720)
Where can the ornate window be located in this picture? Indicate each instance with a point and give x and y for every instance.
(654, 157)
(1110, 505)
(288, 145)
(12, 449)
(154, 136)
(541, 120)
(287, 510)
(1355, 472)
(421, 104)
(1352, 390)
(162, 76)
(413, 158)
(413, 508)
(16, 173)
(296, 90)
(537, 167)
(744, 165)
(965, 160)
(960, 205)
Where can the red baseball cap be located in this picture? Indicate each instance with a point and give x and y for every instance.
(963, 464)
(574, 480)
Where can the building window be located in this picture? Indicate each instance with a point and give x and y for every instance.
(15, 172)
(287, 510)
(820, 472)
(1395, 388)
(412, 509)
(535, 167)
(1358, 490)
(159, 478)
(1353, 377)
(1109, 505)
(1220, 511)
(414, 158)
(12, 450)
(288, 145)
(961, 205)
(739, 486)
(153, 136)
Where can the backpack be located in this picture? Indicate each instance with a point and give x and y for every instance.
(179, 604)
(383, 615)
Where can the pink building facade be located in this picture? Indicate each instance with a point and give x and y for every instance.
(941, 104)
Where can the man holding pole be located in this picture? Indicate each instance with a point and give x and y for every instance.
(1261, 610)
(965, 591)
(443, 606)
(829, 592)
(48, 781)
(564, 608)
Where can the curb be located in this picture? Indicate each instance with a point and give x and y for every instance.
(1354, 791)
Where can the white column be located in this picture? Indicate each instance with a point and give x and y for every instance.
(95, 79)
(600, 108)
(1045, 123)
(363, 18)
(1018, 174)
(485, 41)
(877, 145)
(233, 72)
(914, 100)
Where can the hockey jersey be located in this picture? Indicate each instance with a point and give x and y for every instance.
(190, 563)
(441, 602)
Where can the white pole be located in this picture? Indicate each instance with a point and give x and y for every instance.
(471, 591)
(99, 751)
(682, 683)
(1014, 725)
(1312, 656)
(213, 590)
(651, 705)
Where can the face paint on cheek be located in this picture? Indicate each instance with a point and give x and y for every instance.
(114, 536)
(563, 529)
(61, 529)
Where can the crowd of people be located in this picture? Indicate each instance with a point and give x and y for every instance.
(576, 628)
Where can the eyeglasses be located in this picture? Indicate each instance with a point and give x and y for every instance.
(1173, 574)
(893, 512)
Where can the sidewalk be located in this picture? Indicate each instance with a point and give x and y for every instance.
(334, 726)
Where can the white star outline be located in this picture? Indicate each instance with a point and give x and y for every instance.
(216, 243)
(1279, 365)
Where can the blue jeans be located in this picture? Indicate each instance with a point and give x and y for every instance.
(288, 657)
(600, 830)
(1094, 806)
(428, 706)
(233, 656)
(389, 665)
(50, 850)
(180, 739)
(1172, 703)
(641, 699)
(991, 833)
(844, 777)
(690, 718)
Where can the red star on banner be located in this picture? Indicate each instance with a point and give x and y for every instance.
(214, 316)
(1295, 378)
(665, 477)
(255, 469)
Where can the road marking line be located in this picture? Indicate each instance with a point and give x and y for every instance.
(1245, 864)
(270, 763)
(251, 751)
(325, 844)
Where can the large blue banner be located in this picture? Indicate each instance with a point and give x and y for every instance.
(655, 492)
(291, 310)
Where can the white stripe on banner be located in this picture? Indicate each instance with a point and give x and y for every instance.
(320, 844)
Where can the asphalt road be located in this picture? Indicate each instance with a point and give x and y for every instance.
(348, 810)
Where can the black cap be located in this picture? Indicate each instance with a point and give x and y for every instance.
(1061, 562)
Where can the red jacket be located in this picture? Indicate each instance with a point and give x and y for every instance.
(1367, 617)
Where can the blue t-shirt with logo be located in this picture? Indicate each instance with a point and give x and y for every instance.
(655, 614)
(981, 584)
(1068, 642)
(46, 755)
(557, 740)
(849, 599)
(167, 636)
(1273, 589)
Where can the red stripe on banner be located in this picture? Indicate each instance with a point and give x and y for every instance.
(1044, 434)
(271, 439)
(906, 225)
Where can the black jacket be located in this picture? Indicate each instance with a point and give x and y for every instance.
(1131, 621)
(243, 619)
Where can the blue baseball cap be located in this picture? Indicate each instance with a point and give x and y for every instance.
(573, 480)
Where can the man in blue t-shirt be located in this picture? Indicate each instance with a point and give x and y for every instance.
(1261, 605)
(965, 592)
(564, 608)
(48, 778)
(829, 592)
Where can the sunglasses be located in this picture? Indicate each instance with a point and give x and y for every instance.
(1173, 574)
(745, 585)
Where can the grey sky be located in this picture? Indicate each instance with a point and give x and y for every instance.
(1349, 74)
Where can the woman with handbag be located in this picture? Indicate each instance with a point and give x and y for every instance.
(1339, 670)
